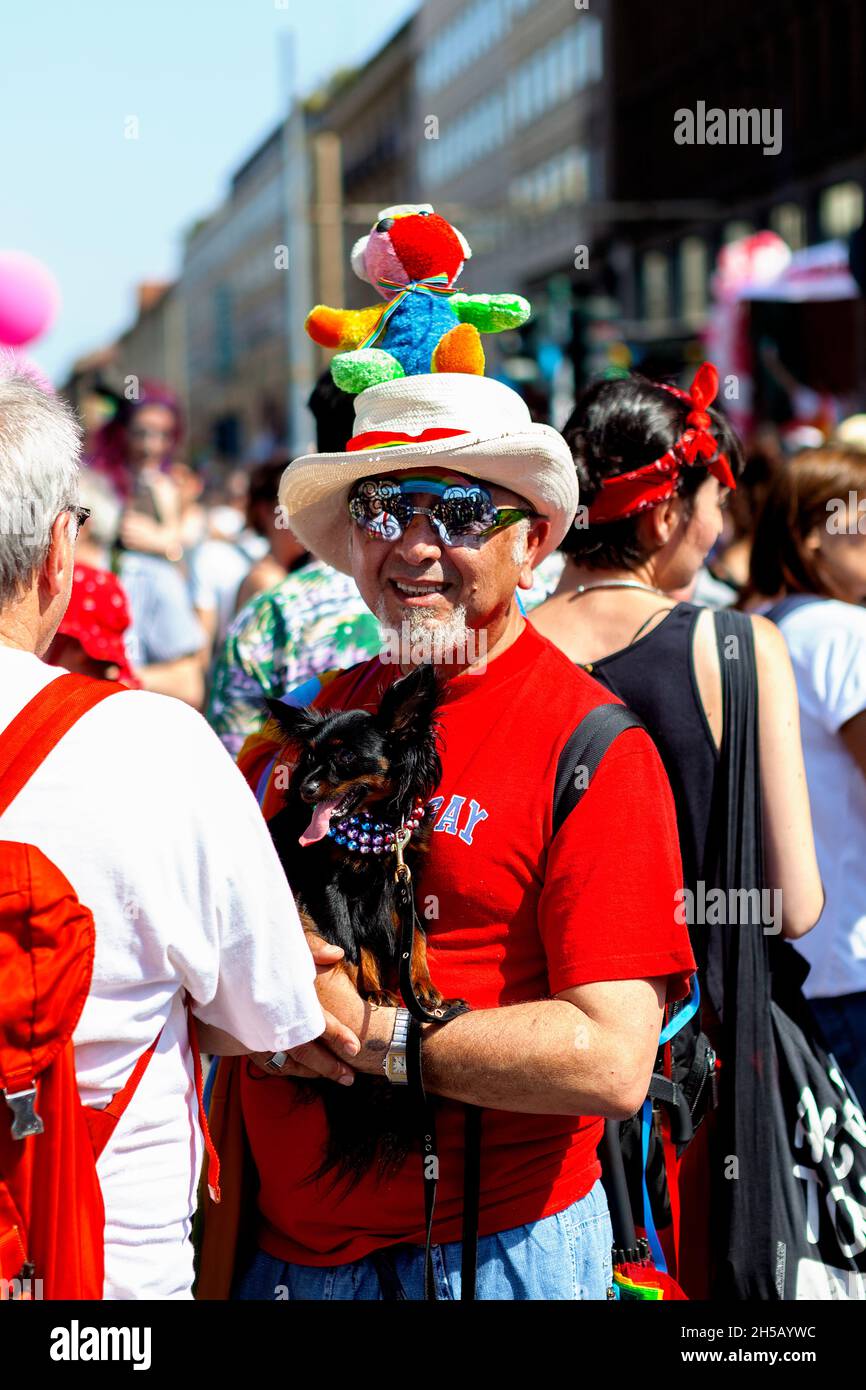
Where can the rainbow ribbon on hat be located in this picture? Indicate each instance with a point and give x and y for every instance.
(433, 285)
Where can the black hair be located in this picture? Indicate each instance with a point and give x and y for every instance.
(616, 427)
(334, 413)
(264, 484)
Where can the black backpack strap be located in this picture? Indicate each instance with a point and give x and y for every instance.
(584, 751)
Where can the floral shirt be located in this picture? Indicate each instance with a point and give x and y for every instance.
(313, 621)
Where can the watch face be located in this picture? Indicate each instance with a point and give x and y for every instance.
(395, 1069)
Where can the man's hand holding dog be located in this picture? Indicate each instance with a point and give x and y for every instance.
(372, 1024)
(322, 1057)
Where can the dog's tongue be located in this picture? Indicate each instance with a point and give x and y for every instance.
(318, 827)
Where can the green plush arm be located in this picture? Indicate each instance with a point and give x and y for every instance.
(491, 313)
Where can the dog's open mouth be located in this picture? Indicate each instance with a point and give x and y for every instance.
(323, 811)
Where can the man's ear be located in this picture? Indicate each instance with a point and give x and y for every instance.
(61, 556)
(536, 537)
(296, 721)
(407, 707)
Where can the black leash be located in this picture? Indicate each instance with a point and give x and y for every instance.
(427, 1110)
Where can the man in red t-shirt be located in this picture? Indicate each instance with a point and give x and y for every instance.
(566, 948)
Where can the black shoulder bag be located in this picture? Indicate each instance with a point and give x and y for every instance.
(793, 1223)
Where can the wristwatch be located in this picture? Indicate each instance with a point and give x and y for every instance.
(394, 1062)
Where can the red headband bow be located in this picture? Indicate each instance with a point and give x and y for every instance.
(646, 487)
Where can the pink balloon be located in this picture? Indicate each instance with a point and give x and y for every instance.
(29, 298)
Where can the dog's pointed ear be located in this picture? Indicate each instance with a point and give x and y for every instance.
(296, 721)
(407, 707)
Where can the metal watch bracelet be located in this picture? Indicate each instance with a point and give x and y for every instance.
(394, 1062)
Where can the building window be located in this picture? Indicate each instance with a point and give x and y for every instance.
(656, 286)
(576, 180)
(549, 76)
(788, 221)
(595, 50)
(579, 64)
(694, 280)
(457, 45)
(563, 179)
(841, 210)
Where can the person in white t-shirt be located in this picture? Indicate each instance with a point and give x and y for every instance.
(809, 557)
(143, 811)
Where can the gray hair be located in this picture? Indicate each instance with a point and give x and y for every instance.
(40, 443)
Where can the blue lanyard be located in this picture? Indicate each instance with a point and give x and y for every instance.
(671, 1028)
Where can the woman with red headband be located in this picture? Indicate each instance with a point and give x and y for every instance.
(655, 467)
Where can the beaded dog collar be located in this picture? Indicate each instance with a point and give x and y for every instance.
(365, 836)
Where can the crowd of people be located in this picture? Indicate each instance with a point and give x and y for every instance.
(643, 555)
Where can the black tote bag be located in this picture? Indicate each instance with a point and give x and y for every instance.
(789, 1160)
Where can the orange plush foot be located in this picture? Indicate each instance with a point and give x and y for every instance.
(460, 351)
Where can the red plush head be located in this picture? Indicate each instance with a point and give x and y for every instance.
(409, 243)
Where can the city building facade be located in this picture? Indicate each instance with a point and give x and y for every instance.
(789, 155)
(153, 348)
(511, 133)
(234, 288)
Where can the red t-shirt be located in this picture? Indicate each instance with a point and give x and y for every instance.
(515, 922)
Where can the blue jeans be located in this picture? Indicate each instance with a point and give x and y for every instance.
(566, 1256)
(843, 1023)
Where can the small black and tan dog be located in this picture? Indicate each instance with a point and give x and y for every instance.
(360, 778)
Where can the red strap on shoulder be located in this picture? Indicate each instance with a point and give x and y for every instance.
(41, 724)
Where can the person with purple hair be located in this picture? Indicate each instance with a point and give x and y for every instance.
(134, 451)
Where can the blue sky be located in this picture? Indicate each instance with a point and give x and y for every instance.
(204, 80)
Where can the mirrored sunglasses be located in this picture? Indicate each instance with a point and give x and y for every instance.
(381, 507)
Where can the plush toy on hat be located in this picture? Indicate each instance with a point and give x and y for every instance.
(413, 257)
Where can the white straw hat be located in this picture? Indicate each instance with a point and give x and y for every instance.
(478, 424)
